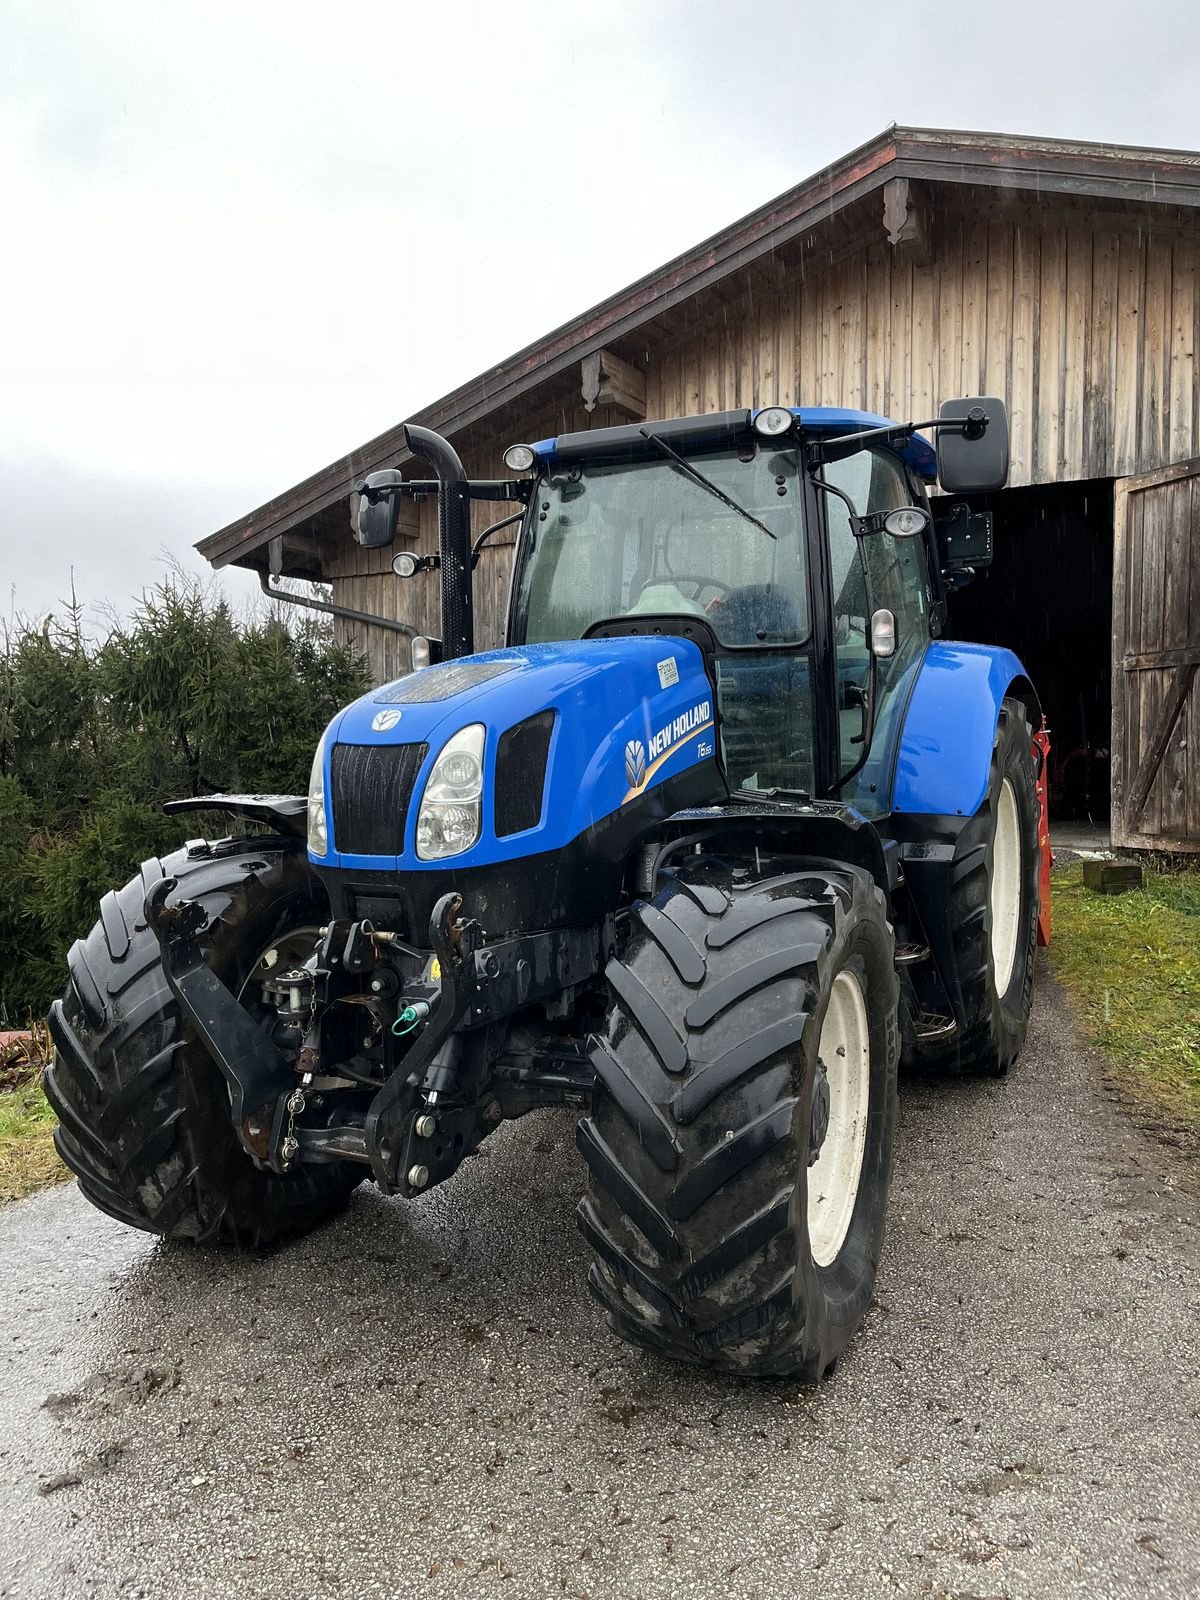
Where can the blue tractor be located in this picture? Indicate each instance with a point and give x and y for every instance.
(727, 829)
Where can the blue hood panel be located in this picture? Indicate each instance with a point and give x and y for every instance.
(629, 713)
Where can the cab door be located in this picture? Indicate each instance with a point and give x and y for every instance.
(898, 573)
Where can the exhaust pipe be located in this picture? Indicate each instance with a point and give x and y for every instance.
(454, 538)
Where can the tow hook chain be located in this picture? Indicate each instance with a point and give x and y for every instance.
(289, 1146)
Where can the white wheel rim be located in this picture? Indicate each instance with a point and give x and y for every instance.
(833, 1179)
(1004, 894)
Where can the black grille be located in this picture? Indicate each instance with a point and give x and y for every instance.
(521, 774)
(372, 785)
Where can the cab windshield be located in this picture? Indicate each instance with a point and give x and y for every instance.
(630, 538)
(643, 537)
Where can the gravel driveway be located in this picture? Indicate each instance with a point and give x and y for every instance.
(422, 1399)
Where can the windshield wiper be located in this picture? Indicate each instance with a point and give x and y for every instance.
(697, 476)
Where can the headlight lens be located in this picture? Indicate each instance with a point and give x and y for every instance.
(451, 813)
(318, 829)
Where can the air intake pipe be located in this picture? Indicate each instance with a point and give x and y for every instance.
(454, 538)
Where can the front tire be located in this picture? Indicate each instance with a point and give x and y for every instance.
(144, 1113)
(726, 1229)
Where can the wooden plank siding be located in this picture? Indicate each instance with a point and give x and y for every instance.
(1086, 322)
(1090, 336)
(1156, 659)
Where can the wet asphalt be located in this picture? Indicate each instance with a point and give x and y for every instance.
(422, 1400)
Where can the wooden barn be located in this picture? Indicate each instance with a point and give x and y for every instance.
(927, 264)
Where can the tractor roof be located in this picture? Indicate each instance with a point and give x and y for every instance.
(816, 421)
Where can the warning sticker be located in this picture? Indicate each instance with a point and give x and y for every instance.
(668, 673)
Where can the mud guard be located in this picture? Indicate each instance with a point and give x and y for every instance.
(286, 813)
(945, 751)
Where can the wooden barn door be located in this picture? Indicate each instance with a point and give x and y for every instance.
(1156, 657)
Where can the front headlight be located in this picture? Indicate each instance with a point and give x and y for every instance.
(318, 829)
(451, 813)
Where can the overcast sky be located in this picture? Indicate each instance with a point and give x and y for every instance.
(241, 238)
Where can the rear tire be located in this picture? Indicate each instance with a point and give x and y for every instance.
(994, 908)
(144, 1113)
(698, 1145)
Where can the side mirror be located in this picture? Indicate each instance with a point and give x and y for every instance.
(973, 457)
(378, 514)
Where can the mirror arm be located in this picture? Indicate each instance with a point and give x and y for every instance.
(971, 426)
(505, 522)
(330, 609)
(422, 488)
(832, 488)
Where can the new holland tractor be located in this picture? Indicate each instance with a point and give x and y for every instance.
(726, 829)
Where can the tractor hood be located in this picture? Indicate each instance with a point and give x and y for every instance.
(603, 735)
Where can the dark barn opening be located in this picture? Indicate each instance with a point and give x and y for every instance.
(1048, 597)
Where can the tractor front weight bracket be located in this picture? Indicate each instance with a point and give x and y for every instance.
(259, 1076)
(429, 1071)
(435, 1107)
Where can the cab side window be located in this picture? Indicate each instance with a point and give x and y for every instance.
(875, 480)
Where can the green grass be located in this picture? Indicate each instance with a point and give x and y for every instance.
(28, 1159)
(1132, 964)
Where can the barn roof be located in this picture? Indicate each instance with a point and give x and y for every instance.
(1042, 167)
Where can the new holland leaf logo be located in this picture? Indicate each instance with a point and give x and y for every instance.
(669, 740)
(635, 763)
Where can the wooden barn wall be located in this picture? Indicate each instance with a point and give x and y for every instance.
(1090, 336)
(1088, 329)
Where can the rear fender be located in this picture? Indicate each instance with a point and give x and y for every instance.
(945, 752)
(943, 766)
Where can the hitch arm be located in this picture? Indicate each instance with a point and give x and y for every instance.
(259, 1076)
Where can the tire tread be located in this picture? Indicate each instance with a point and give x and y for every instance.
(143, 1114)
(695, 1257)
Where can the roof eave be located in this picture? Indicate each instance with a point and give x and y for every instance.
(934, 155)
(818, 198)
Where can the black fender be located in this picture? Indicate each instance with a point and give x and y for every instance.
(286, 813)
(826, 828)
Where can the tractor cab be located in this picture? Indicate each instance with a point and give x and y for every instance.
(803, 538)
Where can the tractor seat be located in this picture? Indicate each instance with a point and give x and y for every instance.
(663, 598)
(758, 613)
